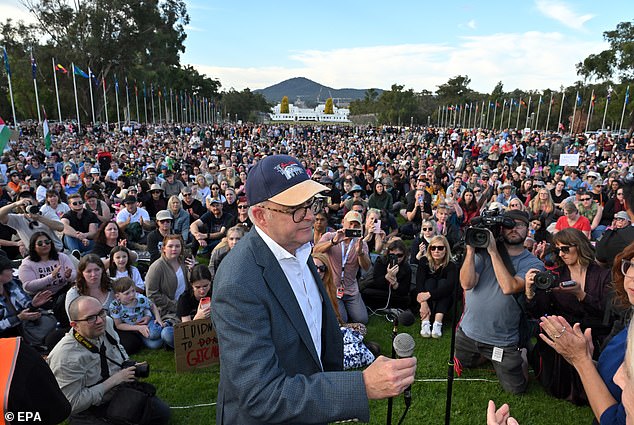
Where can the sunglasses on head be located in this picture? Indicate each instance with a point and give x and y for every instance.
(44, 242)
(321, 269)
(563, 248)
(437, 248)
(625, 266)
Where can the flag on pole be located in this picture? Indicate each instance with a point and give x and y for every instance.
(578, 99)
(47, 134)
(5, 133)
(627, 95)
(610, 89)
(523, 102)
(60, 68)
(33, 66)
(94, 78)
(6, 61)
(594, 98)
(116, 84)
(78, 71)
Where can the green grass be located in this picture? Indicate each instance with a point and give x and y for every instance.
(470, 396)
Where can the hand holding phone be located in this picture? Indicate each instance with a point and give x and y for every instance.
(352, 233)
(377, 226)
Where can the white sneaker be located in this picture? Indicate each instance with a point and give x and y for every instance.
(425, 329)
(437, 330)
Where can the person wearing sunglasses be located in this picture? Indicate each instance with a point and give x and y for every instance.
(593, 211)
(599, 378)
(192, 205)
(242, 218)
(80, 225)
(389, 287)
(267, 312)
(436, 280)
(583, 302)
(94, 344)
(490, 326)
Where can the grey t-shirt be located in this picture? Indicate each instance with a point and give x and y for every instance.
(490, 316)
(21, 224)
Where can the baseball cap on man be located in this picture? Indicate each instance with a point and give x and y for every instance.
(281, 179)
(353, 216)
(622, 215)
(163, 215)
(517, 215)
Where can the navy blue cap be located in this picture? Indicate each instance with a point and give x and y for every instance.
(281, 179)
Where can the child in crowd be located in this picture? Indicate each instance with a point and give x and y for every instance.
(121, 266)
(132, 311)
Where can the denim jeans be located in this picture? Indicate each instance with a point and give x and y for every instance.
(154, 340)
(75, 244)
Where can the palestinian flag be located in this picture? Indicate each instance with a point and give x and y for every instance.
(5, 132)
(47, 135)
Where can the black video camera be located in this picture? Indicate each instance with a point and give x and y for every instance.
(33, 209)
(477, 235)
(141, 370)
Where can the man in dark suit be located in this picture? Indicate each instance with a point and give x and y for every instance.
(281, 351)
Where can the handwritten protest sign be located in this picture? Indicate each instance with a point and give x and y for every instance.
(571, 159)
(195, 345)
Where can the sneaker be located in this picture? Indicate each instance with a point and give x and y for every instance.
(75, 253)
(437, 331)
(425, 329)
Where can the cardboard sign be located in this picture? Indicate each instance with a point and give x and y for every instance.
(195, 345)
(571, 159)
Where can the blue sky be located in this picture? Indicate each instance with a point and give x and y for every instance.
(528, 44)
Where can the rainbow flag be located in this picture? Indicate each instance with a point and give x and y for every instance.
(5, 133)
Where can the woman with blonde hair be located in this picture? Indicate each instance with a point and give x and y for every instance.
(516, 204)
(180, 224)
(436, 280)
(203, 191)
(542, 205)
(234, 234)
(230, 177)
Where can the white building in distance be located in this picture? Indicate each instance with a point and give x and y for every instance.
(305, 114)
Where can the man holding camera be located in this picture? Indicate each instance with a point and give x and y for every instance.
(490, 326)
(89, 366)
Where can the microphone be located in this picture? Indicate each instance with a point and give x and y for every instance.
(404, 347)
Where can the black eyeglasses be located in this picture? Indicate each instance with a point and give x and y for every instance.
(243, 207)
(563, 248)
(93, 318)
(156, 191)
(437, 248)
(321, 269)
(44, 242)
(77, 203)
(215, 188)
(586, 199)
(427, 229)
(315, 205)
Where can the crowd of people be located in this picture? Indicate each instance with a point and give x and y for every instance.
(106, 230)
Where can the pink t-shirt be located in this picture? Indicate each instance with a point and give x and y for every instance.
(350, 285)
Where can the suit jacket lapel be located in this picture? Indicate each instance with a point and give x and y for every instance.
(281, 289)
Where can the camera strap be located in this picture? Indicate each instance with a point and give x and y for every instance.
(105, 373)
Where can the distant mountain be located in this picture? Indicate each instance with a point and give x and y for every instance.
(310, 92)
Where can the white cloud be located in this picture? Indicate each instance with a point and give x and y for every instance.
(531, 60)
(472, 24)
(14, 10)
(563, 13)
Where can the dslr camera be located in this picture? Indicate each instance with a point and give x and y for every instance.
(141, 370)
(545, 281)
(477, 235)
(32, 209)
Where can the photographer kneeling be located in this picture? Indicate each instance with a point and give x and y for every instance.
(577, 290)
(391, 281)
(90, 367)
(490, 326)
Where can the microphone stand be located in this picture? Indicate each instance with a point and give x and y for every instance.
(452, 349)
(390, 400)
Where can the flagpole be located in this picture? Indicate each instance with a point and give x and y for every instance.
(59, 109)
(76, 103)
(7, 67)
(159, 106)
(116, 98)
(550, 105)
(561, 107)
(92, 101)
(508, 125)
(495, 111)
(627, 97)
(528, 111)
(171, 105)
(488, 113)
(605, 110)
(152, 99)
(165, 101)
(574, 113)
(105, 101)
(470, 110)
(37, 98)
(145, 102)
(539, 106)
(127, 104)
(502, 114)
(519, 110)
(589, 111)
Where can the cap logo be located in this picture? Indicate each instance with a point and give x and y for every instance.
(289, 169)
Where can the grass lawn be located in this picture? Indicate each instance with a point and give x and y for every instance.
(471, 392)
